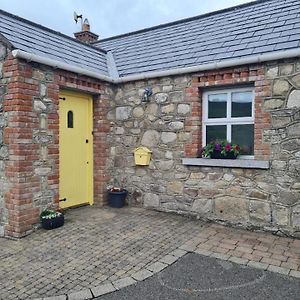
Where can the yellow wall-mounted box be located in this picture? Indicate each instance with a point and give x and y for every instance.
(142, 156)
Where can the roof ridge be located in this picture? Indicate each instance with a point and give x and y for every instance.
(254, 2)
(50, 30)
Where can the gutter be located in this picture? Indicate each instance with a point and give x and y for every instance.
(148, 75)
(59, 65)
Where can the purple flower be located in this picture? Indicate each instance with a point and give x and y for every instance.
(217, 147)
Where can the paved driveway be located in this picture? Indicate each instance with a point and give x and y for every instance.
(103, 250)
(95, 246)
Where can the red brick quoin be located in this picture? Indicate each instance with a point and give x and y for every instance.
(227, 78)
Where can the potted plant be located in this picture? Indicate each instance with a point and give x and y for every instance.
(221, 150)
(116, 196)
(51, 219)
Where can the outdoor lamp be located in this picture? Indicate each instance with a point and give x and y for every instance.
(147, 94)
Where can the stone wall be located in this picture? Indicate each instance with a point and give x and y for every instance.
(170, 126)
(284, 138)
(3, 146)
(32, 137)
(31, 104)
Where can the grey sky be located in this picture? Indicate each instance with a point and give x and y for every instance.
(111, 17)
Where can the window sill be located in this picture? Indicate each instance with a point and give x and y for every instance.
(227, 163)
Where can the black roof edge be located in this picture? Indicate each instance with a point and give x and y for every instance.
(184, 20)
(50, 30)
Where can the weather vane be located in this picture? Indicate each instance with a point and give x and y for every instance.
(76, 17)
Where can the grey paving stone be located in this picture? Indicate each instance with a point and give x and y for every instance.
(81, 295)
(279, 270)
(118, 284)
(188, 247)
(295, 273)
(142, 275)
(238, 260)
(168, 259)
(258, 265)
(178, 253)
(203, 252)
(103, 289)
(62, 297)
(220, 256)
(157, 267)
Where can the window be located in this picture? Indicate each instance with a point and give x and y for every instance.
(229, 115)
(70, 119)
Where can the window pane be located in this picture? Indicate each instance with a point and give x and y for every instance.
(70, 119)
(241, 105)
(217, 106)
(215, 132)
(243, 135)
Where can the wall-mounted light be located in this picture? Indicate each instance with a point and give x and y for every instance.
(147, 94)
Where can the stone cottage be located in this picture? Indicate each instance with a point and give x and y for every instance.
(73, 111)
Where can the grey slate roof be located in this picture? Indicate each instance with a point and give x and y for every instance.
(36, 39)
(256, 28)
(259, 27)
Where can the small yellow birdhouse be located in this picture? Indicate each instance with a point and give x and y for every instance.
(142, 156)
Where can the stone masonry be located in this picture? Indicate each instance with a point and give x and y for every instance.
(3, 147)
(170, 126)
(29, 150)
(29, 136)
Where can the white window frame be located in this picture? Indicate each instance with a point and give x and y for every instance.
(228, 121)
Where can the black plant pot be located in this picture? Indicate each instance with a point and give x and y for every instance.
(53, 223)
(218, 155)
(116, 199)
(230, 155)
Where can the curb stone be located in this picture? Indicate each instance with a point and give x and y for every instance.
(278, 270)
(81, 295)
(62, 297)
(168, 259)
(103, 289)
(142, 275)
(121, 283)
(257, 265)
(156, 267)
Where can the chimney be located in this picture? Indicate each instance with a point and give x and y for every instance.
(85, 35)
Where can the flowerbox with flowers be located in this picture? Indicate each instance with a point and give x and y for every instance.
(221, 150)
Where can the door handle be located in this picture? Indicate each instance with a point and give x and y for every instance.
(62, 200)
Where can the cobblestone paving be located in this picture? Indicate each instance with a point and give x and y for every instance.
(99, 251)
(96, 246)
(259, 250)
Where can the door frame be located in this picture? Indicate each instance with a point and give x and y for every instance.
(90, 172)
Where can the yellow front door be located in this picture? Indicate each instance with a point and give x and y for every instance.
(75, 149)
